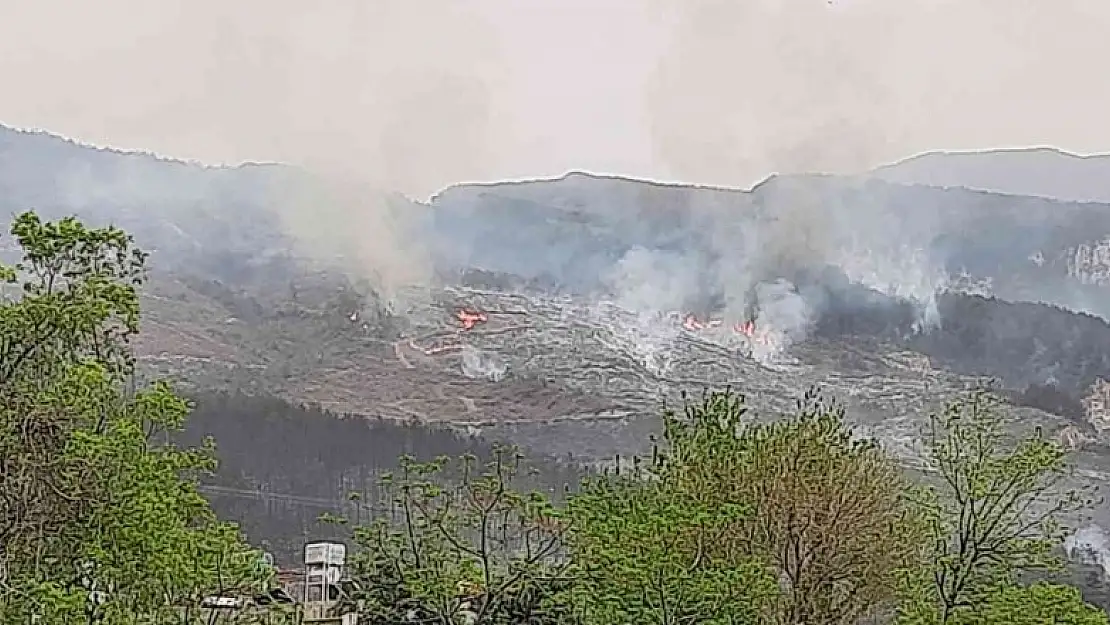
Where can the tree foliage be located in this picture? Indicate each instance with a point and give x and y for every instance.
(473, 550)
(832, 518)
(643, 553)
(997, 510)
(830, 514)
(100, 520)
(1009, 604)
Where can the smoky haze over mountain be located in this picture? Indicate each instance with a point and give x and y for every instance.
(762, 256)
(840, 261)
(411, 96)
(384, 97)
(784, 250)
(651, 248)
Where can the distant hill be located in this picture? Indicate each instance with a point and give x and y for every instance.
(1042, 172)
(182, 211)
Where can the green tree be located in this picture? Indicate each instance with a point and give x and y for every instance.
(795, 521)
(830, 512)
(1010, 604)
(642, 553)
(1032, 605)
(995, 514)
(463, 546)
(100, 518)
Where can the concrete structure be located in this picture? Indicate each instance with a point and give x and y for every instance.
(324, 564)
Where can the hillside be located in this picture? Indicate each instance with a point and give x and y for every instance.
(891, 296)
(913, 238)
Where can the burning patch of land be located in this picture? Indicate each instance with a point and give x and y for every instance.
(559, 374)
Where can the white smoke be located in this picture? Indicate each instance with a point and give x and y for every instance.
(759, 260)
(903, 271)
(647, 336)
(652, 281)
(783, 318)
(481, 365)
(1091, 545)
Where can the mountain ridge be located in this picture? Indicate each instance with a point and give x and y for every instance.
(43, 133)
(1038, 171)
(1032, 149)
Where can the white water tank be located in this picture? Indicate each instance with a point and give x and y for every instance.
(326, 554)
(323, 569)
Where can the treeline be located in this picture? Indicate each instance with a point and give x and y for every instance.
(1046, 355)
(281, 466)
(1021, 343)
(733, 520)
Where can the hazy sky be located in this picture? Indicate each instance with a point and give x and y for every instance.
(414, 94)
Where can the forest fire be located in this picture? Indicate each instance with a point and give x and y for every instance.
(756, 335)
(693, 324)
(746, 328)
(470, 318)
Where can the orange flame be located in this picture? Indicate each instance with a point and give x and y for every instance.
(747, 328)
(470, 318)
(693, 324)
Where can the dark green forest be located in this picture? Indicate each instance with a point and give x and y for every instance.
(281, 466)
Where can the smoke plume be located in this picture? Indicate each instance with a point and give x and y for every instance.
(482, 365)
(1091, 545)
(411, 95)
